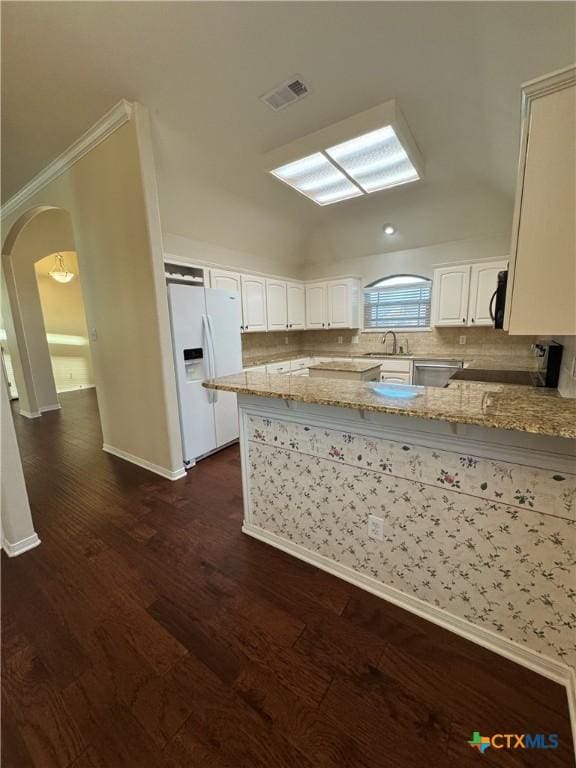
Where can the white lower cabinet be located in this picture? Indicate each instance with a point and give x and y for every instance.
(395, 378)
(276, 305)
(254, 304)
(278, 367)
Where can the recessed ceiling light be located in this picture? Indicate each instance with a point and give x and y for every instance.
(389, 229)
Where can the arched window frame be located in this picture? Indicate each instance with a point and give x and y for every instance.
(396, 306)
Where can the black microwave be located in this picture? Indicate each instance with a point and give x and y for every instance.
(498, 300)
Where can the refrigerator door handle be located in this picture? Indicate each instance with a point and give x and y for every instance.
(212, 357)
(213, 353)
(209, 353)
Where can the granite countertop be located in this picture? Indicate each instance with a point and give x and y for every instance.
(487, 362)
(348, 366)
(502, 406)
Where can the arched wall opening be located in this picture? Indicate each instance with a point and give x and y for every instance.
(105, 193)
(38, 233)
(65, 321)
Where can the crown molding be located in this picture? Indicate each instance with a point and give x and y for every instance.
(109, 122)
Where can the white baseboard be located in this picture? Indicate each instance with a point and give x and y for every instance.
(45, 408)
(30, 414)
(550, 668)
(15, 548)
(158, 470)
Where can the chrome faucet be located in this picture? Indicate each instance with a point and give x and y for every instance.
(394, 340)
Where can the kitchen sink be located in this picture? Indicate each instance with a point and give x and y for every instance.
(386, 354)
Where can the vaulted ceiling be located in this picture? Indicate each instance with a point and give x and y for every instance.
(455, 69)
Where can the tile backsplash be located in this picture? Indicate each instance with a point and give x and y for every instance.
(481, 343)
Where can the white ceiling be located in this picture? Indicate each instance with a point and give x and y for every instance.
(455, 69)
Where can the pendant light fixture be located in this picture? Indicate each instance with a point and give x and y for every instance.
(59, 271)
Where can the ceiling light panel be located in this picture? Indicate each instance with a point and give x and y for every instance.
(375, 160)
(316, 177)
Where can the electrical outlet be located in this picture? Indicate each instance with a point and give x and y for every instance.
(375, 528)
(286, 339)
(574, 367)
(462, 340)
(339, 339)
(355, 339)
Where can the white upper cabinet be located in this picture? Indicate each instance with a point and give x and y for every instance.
(450, 290)
(462, 295)
(296, 301)
(226, 281)
(343, 303)
(541, 295)
(277, 306)
(333, 304)
(254, 303)
(316, 309)
(483, 281)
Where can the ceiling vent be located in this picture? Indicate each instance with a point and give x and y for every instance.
(286, 93)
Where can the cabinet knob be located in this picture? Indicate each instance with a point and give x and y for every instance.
(473, 320)
(464, 320)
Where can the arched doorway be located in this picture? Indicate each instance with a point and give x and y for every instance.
(39, 232)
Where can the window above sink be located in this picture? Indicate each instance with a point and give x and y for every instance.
(400, 302)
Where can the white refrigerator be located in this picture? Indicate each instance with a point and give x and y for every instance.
(206, 339)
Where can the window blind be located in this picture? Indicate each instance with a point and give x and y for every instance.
(398, 306)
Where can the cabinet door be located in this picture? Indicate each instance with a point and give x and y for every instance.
(541, 292)
(276, 305)
(338, 304)
(316, 305)
(395, 378)
(483, 281)
(450, 290)
(224, 280)
(296, 297)
(254, 303)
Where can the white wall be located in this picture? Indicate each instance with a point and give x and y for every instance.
(18, 533)
(197, 251)
(65, 316)
(417, 261)
(116, 232)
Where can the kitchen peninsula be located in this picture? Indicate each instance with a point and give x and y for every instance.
(458, 504)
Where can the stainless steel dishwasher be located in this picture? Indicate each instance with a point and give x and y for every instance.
(434, 373)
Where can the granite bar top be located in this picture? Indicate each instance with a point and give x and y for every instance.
(502, 406)
(347, 366)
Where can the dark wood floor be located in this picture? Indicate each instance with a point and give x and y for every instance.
(146, 630)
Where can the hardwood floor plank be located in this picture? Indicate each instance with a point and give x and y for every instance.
(147, 631)
(51, 737)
